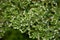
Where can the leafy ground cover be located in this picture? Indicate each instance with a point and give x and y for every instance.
(39, 19)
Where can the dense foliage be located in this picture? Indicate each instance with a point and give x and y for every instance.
(39, 19)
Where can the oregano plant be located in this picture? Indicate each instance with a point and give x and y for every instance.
(39, 19)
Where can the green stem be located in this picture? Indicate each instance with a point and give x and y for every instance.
(38, 38)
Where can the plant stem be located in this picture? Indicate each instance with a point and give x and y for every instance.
(38, 38)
